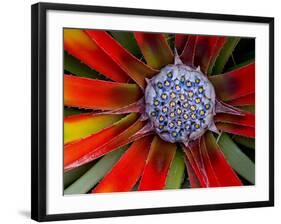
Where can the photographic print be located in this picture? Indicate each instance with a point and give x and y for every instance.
(157, 111)
(138, 111)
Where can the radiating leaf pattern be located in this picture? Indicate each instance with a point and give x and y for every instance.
(110, 145)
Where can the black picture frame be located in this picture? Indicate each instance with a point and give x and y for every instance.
(38, 116)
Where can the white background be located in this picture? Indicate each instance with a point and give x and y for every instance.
(15, 111)
(57, 203)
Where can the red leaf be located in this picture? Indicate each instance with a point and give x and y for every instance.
(98, 94)
(157, 166)
(208, 166)
(247, 119)
(235, 84)
(194, 158)
(223, 171)
(243, 101)
(128, 169)
(193, 180)
(219, 45)
(78, 44)
(100, 143)
(212, 179)
(236, 129)
(187, 55)
(206, 50)
(135, 68)
(202, 51)
(155, 49)
(180, 41)
(82, 125)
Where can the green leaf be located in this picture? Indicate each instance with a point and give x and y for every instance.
(86, 125)
(70, 176)
(74, 66)
(245, 62)
(224, 55)
(176, 172)
(237, 159)
(249, 108)
(170, 38)
(186, 183)
(95, 173)
(127, 40)
(248, 142)
(136, 187)
(71, 111)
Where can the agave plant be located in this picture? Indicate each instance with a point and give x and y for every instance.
(152, 111)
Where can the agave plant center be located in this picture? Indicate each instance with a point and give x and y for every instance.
(180, 103)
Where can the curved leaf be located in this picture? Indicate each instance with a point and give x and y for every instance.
(237, 159)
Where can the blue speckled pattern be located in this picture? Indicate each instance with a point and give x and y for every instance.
(180, 103)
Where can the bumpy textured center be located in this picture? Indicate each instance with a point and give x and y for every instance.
(180, 103)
